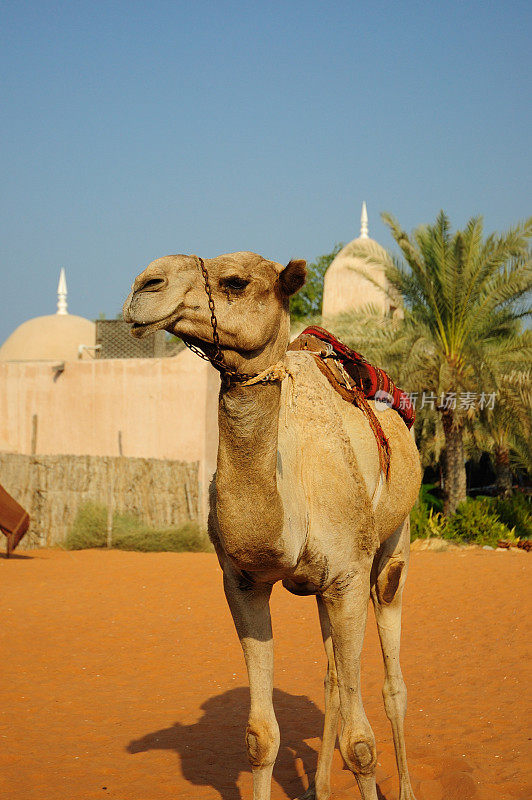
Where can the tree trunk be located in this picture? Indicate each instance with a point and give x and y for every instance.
(453, 464)
(503, 480)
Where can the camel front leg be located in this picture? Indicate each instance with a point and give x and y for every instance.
(388, 578)
(250, 608)
(321, 789)
(346, 601)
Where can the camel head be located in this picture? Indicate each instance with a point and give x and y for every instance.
(250, 297)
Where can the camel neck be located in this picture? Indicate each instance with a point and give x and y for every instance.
(248, 500)
(248, 421)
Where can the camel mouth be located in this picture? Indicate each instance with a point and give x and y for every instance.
(141, 329)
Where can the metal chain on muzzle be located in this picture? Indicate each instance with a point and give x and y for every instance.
(217, 360)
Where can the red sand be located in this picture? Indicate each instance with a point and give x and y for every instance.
(122, 678)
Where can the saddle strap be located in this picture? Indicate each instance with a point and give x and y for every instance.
(333, 372)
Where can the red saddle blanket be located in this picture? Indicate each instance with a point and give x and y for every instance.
(374, 382)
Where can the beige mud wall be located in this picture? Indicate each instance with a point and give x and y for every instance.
(52, 488)
(153, 408)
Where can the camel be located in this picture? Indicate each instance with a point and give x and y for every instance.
(297, 497)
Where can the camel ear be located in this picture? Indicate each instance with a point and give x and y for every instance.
(293, 276)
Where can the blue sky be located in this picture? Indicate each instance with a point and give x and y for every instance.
(134, 129)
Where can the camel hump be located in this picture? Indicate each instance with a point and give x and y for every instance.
(351, 372)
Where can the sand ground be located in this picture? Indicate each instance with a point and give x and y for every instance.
(122, 678)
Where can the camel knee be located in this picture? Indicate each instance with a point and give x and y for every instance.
(262, 742)
(359, 752)
(394, 695)
(391, 580)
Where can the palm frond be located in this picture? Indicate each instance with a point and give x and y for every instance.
(464, 298)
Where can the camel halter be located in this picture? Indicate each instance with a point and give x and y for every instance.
(276, 372)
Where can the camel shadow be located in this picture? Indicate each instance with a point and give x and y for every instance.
(212, 750)
(15, 557)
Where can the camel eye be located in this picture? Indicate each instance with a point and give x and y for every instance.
(235, 283)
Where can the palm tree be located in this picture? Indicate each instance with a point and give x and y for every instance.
(464, 297)
(505, 432)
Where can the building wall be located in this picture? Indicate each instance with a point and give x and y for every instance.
(162, 408)
(52, 489)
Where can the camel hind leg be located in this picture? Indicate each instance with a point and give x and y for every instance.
(388, 578)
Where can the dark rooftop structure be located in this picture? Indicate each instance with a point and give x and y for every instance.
(114, 340)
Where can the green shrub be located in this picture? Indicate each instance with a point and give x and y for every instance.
(418, 521)
(187, 538)
(515, 512)
(427, 496)
(483, 520)
(424, 521)
(89, 530)
(475, 522)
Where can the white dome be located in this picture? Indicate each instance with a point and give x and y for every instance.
(56, 337)
(344, 288)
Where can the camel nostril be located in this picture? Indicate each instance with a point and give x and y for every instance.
(153, 285)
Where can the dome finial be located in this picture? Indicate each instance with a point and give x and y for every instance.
(364, 222)
(62, 293)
